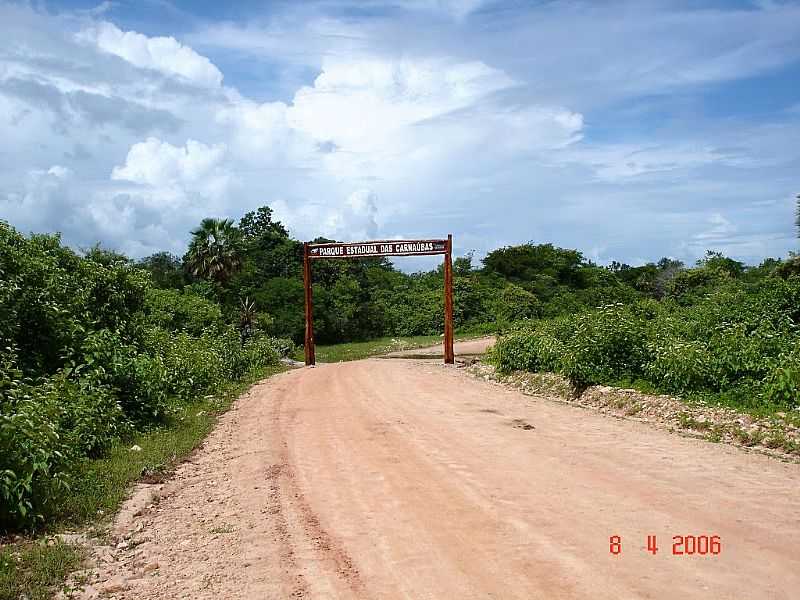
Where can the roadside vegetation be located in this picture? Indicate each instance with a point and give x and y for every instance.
(96, 360)
(718, 333)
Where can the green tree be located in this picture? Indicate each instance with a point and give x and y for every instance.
(214, 252)
(258, 224)
(166, 270)
(463, 264)
(716, 260)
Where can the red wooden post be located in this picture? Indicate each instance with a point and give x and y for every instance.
(309, 339)
(449, 354)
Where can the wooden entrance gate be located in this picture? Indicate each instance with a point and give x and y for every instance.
(312, 252)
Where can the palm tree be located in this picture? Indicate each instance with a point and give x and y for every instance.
(214, 250)
(247, 318)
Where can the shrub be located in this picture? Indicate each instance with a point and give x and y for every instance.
(538, 347)
(677, 365)
(91, 418)
(687, 286)
(138, 379)
(515, 304)
(782, 383)
(738, 344)
(181, 311)
(33, 457)
(200, 365)
(606, 344)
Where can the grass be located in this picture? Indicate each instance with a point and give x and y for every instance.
(359, 350)
(30, 568)
(33, 570)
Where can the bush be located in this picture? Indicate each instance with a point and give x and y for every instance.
(199, 365)
(33, 456)
(679, 366)
(516, 304)
(91, 418)
(538, 347)
(138, 379)
(89, 353)
(782, 383)
(181, 311)
(739, 343)
(605, 344)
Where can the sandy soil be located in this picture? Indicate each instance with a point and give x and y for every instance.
(465, 348)
(408, 479)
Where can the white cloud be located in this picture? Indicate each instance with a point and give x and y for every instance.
(358, 103)
(616, 163)
(59, 171)
(353, 219)
(158, 163)
(720, 229)
(182, 180)
(164, 54)
(396, 119)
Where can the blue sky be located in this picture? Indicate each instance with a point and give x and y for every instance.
(629, 130)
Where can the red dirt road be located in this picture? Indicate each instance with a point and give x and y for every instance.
(403, 479)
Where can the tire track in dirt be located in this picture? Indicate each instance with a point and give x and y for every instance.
(289, 498)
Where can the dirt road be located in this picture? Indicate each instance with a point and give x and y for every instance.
(403, 479)
(466, 348)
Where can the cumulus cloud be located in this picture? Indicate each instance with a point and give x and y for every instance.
(351, 129)
(164, 54)
(352, 219)
(158, 163)
(361, 102)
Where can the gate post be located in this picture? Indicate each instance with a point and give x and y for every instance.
(449, 354)
(308, 346)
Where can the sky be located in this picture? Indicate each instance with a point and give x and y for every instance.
(629, 130)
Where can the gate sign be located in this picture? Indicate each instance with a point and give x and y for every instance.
(371, 249)
(379, 248)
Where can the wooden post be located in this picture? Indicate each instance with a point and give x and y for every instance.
(449, 354)
(309, 339)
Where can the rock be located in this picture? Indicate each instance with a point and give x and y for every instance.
(136, 448)
(72, 538)
(150, 567)
(114, 585)
(123, 545)
(90, 592)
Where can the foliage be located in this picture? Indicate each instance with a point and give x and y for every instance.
(166, 270)
(738, 342)
(33, 457)
(214, 250)
(185, 310)
(90, 352)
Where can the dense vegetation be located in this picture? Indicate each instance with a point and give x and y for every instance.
(92, 352)
(720, 332)
(258, 261)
